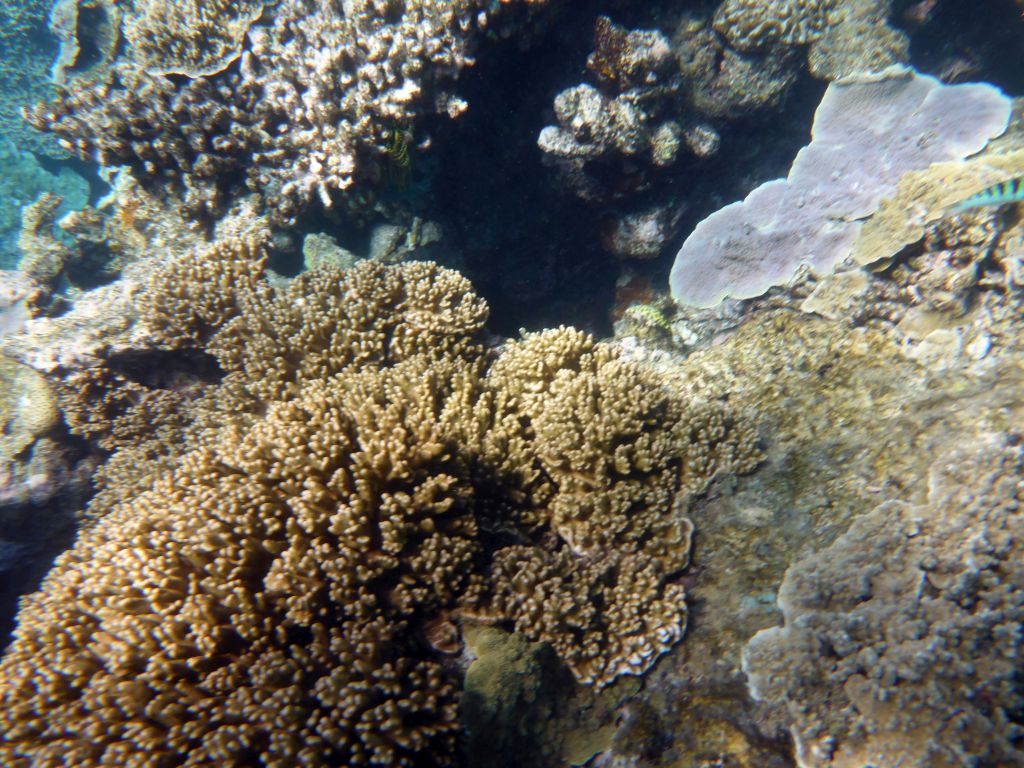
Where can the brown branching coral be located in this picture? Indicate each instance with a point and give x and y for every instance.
(364, 473)
(622, 456)
(194, 296)
(253, 606)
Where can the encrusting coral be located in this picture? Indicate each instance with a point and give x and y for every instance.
(365, 472)
(844, 38)
(193, 38)
(902, 640)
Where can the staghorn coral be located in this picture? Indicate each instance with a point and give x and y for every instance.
(329, 320)
(902, 639)
(194, 296)
(304, 114)
(272, 594)
(554, 597)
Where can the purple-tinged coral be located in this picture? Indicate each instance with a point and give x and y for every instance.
(867, 133)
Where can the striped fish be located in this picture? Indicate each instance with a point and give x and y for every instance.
(1009, 191)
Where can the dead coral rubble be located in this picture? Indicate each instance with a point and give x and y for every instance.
(365, 471)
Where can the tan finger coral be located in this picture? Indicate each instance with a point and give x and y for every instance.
(195, 295)
(363, 473)
(622, 456)
(252, 606)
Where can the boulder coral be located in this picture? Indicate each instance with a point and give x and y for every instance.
(365, 473)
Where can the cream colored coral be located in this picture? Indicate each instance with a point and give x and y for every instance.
(188, 37)
(193, 296)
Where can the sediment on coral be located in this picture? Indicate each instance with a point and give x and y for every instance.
(366, 470)
(902, 639)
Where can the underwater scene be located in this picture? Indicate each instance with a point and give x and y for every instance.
(512, 383)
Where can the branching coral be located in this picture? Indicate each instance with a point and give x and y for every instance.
(363, 472)
(304, 113)
(253, 606)
(622, 456)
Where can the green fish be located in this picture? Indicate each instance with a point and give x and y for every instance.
(1009, 191)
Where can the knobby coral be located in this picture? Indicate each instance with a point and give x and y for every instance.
(902, 640)
(364, 471)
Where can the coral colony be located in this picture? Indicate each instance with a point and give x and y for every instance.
(281, 484)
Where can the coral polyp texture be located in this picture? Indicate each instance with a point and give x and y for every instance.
(843, 38)
(902, 639)
(364, 472)
(192, 38)
(868, 132)
(297, 99)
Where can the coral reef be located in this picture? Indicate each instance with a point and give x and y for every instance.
(928, 193)
(867, 132)
(627, 119)
(28, 409)
(901, 644)
(192, 39)
(23, 72)
(92, 24)
(366, 70)
(720, 82)
(363, 471)
(843, 38)
(22, 181)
